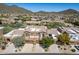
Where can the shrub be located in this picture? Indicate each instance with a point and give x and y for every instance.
(7, 29)
(2, 44)
(55, 25)
(46, 42)
(58, 46)
(18, 42)
(73, 50)
(64, 38)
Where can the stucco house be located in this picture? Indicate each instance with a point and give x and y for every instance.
(35, 33)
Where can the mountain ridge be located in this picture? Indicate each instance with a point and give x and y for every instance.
(4, 8)
(13, 9)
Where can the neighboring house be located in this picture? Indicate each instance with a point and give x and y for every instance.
(75, 29)
(30, 33)
(53, 33)
(5, 14)
(33, 22)
(14, 33)
(7, 20)
(74, 35)
(44, 22)
(34, 19)
(68, 24)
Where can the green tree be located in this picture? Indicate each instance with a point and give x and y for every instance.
(7, 29)
(18, 42)
(55, 25)
(17, 25)
(2, 43)
(24, 19)
(64, 38)
(46, 42)
(1, 40)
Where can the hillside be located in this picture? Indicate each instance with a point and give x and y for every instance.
(69, 11)
(12, 9)
(4, 8)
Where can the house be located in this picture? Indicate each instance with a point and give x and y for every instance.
(14, 33)
(74, 36)
(35, 33)
(53, 33)
(4, 14)
(30, 33)
(7, 21)
(44, 22)
(35, 18)
(33, 22)
(75, 29)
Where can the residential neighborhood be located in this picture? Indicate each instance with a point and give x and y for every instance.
(24, 31)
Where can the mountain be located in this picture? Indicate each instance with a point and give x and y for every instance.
(42, 12)
(69, 11)
(4, 8)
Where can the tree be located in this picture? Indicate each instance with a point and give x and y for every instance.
(64, 38)
(2, 43)
(46, 42)
(55, 25)
(24, 18)
(1, 40)
(73, 50)
(7, 29)
(17, 25)
(18, 42)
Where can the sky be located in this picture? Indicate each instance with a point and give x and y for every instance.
(49, 7)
